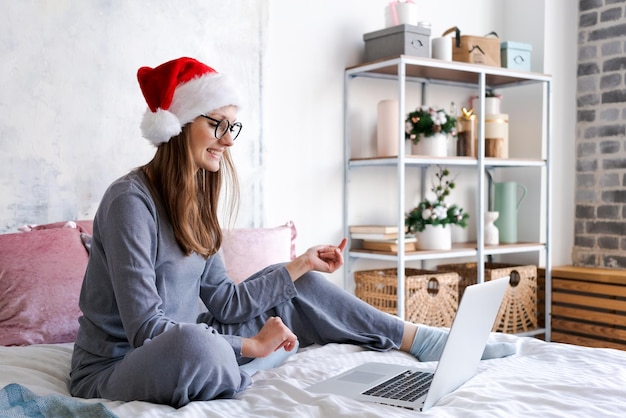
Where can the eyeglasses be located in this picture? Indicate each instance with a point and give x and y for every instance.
(223, 126)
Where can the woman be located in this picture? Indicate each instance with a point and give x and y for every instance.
(154, 253)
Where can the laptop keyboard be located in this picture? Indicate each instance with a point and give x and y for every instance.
(407, 386)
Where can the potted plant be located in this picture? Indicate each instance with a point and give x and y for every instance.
(429, 220)
(428, 129)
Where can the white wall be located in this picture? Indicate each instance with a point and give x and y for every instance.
(560, 57)
(309, 46)
(70, 106)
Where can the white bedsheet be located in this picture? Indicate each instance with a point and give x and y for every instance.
(543, 379)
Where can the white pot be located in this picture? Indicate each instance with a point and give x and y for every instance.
(434, 238)
(441, 48)
(400, 13)
(492, 105)
(434, 146)
(492, 235)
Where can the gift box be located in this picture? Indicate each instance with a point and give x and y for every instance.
(475, 49)
(397, 40)
(516, 55)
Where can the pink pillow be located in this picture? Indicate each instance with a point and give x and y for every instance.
(247, 250)
(85, 226)
(41, 273)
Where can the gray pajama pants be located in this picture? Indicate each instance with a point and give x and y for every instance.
(189, 363)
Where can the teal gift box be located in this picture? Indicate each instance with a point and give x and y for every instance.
(515, 55)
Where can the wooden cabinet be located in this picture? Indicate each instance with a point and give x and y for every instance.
(588, 306)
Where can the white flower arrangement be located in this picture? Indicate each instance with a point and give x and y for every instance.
(436, 212)
(429, 121)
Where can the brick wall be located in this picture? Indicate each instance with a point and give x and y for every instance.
(600, 230)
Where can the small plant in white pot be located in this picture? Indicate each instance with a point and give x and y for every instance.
(428, 129)
(431, 218)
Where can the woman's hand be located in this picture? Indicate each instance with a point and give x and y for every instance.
(322, 258)
(273, 336)
(327, 258)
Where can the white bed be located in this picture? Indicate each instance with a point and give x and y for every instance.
(41, 274)
(543, 379)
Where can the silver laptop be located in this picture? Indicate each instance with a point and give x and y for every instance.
(416, 389)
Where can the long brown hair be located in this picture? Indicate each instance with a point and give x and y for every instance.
(191, 195)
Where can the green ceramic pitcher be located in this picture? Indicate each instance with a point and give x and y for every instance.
(508, 197)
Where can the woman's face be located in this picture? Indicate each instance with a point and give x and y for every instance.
(206, 149)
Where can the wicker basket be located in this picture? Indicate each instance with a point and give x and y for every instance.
(518, 312)
(431, 297)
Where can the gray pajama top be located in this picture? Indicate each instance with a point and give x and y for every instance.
(139, 283)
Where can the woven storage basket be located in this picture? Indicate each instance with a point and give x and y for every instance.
(518, 312)
(431, 297)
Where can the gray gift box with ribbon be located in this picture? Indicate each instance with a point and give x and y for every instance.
(397, 40)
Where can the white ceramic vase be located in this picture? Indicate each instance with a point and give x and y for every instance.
(434, 145)
(492, 235)
(437, 237)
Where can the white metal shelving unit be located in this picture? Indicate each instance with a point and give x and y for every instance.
(430, 71)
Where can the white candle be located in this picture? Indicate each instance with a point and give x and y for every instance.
(442, 48)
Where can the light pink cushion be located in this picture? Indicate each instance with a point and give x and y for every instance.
(247, 250)
(85, 226)
(41, 273)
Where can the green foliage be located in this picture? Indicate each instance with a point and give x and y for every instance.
(429, 121)
(437, 212)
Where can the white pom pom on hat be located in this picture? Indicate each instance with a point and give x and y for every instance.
(179, 91)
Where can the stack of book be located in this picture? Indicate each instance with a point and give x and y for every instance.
(380, 238)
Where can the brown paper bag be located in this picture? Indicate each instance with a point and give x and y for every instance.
(475, 49)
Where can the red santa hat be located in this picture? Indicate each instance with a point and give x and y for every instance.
(177, 92)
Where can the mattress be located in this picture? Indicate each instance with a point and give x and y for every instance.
(542, 379)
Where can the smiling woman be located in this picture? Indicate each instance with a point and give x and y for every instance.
(155, 239)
